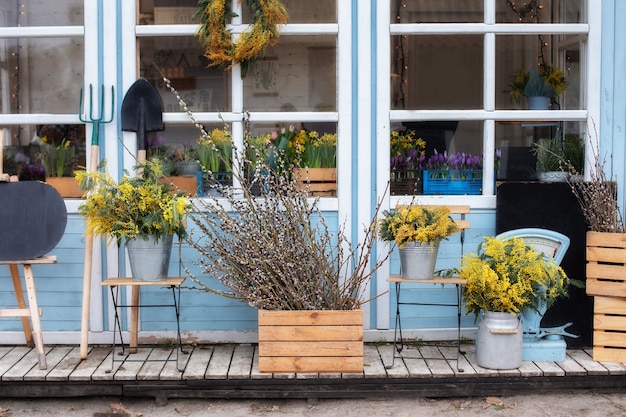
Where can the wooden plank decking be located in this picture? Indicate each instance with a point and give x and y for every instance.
(231, 371)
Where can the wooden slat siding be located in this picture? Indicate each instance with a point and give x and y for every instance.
(530, 369)
(372, 365)
(86, 369)
(170, 370)
(62, 371)
(53, 357)
(398, 370)
(609, 277)
(220, 362)
(436, 362)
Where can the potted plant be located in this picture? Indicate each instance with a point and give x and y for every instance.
(215, 154)
(551, 159)
(59, 162)
(417, 231)
(457, 174)
(538, 86)
(140, 211)
(271, 248)
(407, 155)
(318, 161)
(605, 258)
(503, 278)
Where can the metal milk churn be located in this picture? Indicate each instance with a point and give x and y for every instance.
(499, 341)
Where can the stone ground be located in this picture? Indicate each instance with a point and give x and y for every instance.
(591, 404)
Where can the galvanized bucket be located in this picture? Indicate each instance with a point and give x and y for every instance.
(417, 260)
(149, 260)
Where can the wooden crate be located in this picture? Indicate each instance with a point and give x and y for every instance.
(189, 185)
(311, 341)
(609, 329)
(606, 264)
(318, 181)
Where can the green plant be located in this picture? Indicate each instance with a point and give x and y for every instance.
(319, 151)
(550, 154)
(58, 160)
(547, 82)
(574, 148)
(414, 223)
(509, 276)
(135, 207)
(215, 150)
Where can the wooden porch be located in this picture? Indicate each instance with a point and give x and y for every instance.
(231, 371)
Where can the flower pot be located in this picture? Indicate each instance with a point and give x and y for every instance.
(538, 103)
(68, 187)
(499, 341)
(149, 259)
(188, 185)
(553, 176)
(417, 260)
(311, 341)
(187, 168)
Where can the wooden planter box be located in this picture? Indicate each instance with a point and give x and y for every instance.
(179, 183)
(311, 341)
(318, 181)
(609, 329)
(606, 264)
(66, 186)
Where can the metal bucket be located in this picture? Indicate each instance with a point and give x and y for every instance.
(499, 341)
(149, 260)
(417, 260)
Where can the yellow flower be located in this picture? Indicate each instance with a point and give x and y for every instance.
(416, 223)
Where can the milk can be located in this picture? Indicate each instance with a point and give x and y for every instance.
(499, 341)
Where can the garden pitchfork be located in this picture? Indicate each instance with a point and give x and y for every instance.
(95, 121)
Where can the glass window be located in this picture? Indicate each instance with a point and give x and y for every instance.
(167, 12)
(298, 74)
(204, 89)
(319, 11)
(41, 13)
(436, 72)
(436, 11)
(538, 11)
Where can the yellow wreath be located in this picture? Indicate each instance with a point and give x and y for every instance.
(217, 41)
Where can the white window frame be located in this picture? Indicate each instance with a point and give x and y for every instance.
(489, 115)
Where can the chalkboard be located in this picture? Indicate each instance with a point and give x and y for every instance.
(32, 219)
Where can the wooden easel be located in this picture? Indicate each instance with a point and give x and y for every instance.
(33, 337)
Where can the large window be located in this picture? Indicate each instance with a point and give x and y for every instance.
(294, 84)
(457, 73)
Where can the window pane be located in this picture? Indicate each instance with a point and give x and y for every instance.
(35, 80)
(436, 72)
(430, 146)
(167, 12)
(41, 13)
(517, 139)
(538, 11)
(436, 11)
(537, 52)
(304, 11)
(298, 74)
(181, 60)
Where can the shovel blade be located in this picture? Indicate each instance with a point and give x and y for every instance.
(142, 110)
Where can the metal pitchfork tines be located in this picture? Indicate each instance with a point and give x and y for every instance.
(99, 119)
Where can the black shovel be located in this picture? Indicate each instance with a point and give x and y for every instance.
(142, 112)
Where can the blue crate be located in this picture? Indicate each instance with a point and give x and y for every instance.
(453, 182)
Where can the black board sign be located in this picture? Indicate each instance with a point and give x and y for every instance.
(32, 219)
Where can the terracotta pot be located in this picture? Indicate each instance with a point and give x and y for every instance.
(66, 186)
